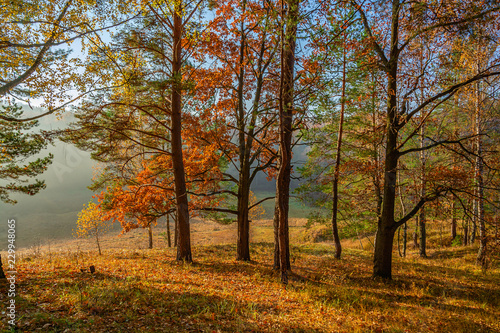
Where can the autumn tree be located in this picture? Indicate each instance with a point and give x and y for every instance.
(244, 51)
(34, 63)
(91, 223)
(18, 143)
(285, 116)
(399, 25)
(153, 116)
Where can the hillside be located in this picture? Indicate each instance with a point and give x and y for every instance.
(139, 290)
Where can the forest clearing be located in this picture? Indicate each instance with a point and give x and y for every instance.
(145, 290)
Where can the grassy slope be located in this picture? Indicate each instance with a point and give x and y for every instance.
(138, 290)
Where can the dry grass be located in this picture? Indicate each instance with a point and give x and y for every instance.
(139, 290)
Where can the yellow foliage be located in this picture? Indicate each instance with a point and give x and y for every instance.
(91, 222)
(257, 212)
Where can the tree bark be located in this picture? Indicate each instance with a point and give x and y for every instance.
(276, 264)
(386, 227)
(415, 233)
(184, 245)
(98, 244)
(421, 220)
(453, 220)
(176, 230)
(150, 237)
(243, 242)
(465, 223)
(169, 241)
(479, 212)
(335, 184)
(285, 126)
(243, 245)
(276, 222)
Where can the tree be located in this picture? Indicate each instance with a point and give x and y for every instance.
(286, 110)
(405, 22)
(18, 143)
(243, 49)
(33, 64)
(153, 103)
(91, 223)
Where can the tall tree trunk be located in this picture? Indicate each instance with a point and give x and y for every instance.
(453, 220)
(184, 245)
(2, 274)
(276, 223)
(405, 238)
(169, 241)
(285, 126)
(415, 233)
(405, 226)
(479, 213)
(243, 242)
(465, 224)
(176, 230)
(335, 185)
(98, 243)
(382, 262)
(243, 245)
(421, 220)
(276, 264)
(150, 237)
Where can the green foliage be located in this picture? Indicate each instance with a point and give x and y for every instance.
(456, 242)
(18, 146)
(316, 217)
(218, 217)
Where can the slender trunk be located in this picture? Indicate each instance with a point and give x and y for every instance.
(276, 264)
(2, 274)
(98, 243)
(285, 126)
(403, 213)
(453, 220)
(176, 230)
(184, 245)
(335, 230)
(169, 241)
(473, 227)
(415, 233)
(150, 237)
(481, 255)
(405, 238)
(422, 218)
(465, 223)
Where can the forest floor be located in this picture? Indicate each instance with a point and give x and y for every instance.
(139, 290)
